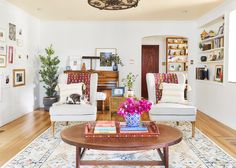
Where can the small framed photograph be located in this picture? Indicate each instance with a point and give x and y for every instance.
(118, 91)
(2, 35)
(18, 77)
(10, 54)
(3, 49)
(219, 73)
(3, 61)
(104, 63)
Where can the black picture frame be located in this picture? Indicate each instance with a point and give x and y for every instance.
(118, 91)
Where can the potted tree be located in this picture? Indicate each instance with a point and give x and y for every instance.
(117, 60)
(49, 75)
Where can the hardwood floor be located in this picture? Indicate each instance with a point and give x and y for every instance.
(20, 132)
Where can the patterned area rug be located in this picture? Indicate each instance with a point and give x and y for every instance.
(48, 152)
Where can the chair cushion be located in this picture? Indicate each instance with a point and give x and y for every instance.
(73, 109)
(172, 109)
(172, 93)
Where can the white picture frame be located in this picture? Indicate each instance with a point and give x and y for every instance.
(75, 62)
(104, 53)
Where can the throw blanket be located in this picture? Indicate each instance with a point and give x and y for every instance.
(80, 77)
(163, 77)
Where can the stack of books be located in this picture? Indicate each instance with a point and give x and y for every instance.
(105, 127)
(142, 128)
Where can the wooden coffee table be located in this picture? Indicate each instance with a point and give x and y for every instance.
(168, 137)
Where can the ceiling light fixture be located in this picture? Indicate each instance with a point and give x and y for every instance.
(113, 4)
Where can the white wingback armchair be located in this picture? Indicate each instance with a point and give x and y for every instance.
(169, 111)
(75, 112)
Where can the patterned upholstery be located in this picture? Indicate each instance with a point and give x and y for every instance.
(80, 77)
(163, 77)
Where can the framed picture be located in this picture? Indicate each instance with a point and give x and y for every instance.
(10, 54)
(3, 61)
(3, 49)
(18, 77)
(118, 91)
(75, 63)
(12, 32)
(219, 73)
(105, 62)
(2, 35)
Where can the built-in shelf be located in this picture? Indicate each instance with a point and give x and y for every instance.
(176, 54)
(177, 62)
(209, 82)
(212, 62)
(212, 50)
(212, 38)
(177, 48)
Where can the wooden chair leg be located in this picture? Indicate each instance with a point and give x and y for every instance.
(103, 106)
(193, 128)
(53, 128)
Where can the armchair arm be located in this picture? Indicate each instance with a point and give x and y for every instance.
(151, 87)
(93, 88)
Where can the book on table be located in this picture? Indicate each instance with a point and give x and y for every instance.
(105, 127)
(142, 128)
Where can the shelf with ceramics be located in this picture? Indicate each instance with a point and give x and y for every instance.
(211, 52)
(176, 54)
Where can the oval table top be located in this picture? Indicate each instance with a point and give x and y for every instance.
(75, 136)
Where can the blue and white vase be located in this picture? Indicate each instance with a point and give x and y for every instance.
(132, 120)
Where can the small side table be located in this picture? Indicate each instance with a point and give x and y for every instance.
(114, 104)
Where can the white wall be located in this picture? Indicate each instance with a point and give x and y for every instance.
(81, 38)
(17, 101)
(217, 100)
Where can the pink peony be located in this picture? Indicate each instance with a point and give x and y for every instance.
(134, 106)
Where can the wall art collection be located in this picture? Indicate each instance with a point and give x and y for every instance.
(8, 48)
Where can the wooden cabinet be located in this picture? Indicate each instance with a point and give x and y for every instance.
(106, 81)
(176, 54)
(115, 103)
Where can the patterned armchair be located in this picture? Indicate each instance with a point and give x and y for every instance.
(168, 111)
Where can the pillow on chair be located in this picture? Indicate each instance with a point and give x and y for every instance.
(172, 93)
(68, 89)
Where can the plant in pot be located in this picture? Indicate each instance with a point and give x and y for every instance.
(49, 75)
(129, 83)
(117, 61)
(132, 109)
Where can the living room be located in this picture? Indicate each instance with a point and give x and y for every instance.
(79, 33)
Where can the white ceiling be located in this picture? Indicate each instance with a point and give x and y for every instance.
(146, 10)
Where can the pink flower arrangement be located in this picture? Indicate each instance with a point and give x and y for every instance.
(133, 106)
